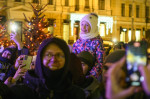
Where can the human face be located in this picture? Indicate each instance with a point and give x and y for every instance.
(53, 57)
(85, 68)
(6, 54)
(85, 27)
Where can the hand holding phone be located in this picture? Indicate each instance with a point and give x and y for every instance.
(136, 54)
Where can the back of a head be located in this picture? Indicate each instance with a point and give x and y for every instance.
(115, 56)
(120, 45)
(13, 54)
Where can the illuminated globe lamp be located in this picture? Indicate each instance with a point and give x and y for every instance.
(114, 40)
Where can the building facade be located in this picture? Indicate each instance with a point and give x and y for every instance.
(121, 20)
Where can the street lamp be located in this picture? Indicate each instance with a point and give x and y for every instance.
(132, 28)
(13, 27)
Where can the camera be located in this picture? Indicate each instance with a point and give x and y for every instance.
(27, 60)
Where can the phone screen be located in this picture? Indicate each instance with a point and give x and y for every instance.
(136, 53)
(27, 60)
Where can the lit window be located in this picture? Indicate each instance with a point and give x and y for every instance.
(102, 30)
(122, 36)
(137, 35)
(129, 35)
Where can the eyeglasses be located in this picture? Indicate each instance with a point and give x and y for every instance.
(57, 56)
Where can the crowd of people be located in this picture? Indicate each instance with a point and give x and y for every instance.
(61, 71)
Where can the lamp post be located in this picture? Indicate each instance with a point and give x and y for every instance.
(55, 6)
(146, 16)
(132, 27)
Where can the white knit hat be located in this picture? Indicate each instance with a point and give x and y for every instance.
(92, 19)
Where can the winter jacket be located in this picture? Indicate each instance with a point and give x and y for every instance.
(95, 47)
(92, 88)
(37, 84)
(4, 68)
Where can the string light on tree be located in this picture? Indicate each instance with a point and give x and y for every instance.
(34, 31)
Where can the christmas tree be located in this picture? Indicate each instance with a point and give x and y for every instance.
(4, 35)
(34, 29)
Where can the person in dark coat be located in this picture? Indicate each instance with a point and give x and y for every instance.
(7, 58)
(51, 79)
(20, 50)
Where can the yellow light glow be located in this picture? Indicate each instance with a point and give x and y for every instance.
(102, 30)
(13, 27)
(137, 35)
(129, 35)
(114, 40)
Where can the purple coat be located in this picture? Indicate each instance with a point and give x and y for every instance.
(95, 47)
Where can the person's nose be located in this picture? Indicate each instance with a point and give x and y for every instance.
(84, 26)
(53, 58)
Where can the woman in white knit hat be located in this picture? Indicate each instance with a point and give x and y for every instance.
(90, 41)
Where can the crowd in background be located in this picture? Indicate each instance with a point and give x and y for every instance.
(85, 70)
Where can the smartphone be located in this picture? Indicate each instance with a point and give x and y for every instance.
(136, 54)
(27, 60)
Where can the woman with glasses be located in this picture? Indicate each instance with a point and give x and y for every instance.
(51, 79)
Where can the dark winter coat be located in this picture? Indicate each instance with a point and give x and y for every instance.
(9, 68)
(4, 68)
(92, 88)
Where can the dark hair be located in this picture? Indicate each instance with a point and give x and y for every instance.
(94, 14)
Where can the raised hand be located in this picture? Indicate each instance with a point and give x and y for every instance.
(19, 73)
(16, 38)
(145, 72)
(113, 89)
